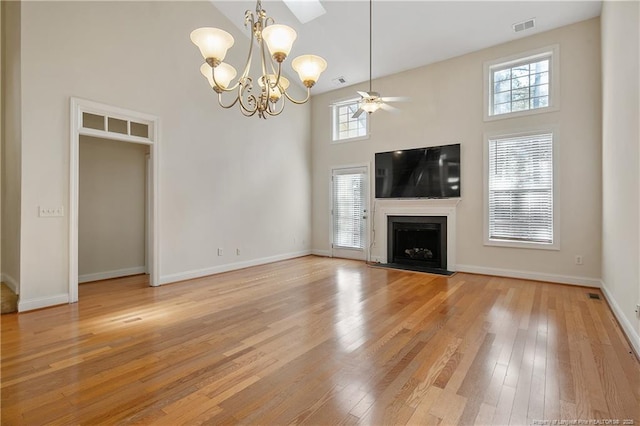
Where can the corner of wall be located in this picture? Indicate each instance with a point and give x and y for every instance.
(11, 143)
(621, 163)
(1, 116)
(632, 335)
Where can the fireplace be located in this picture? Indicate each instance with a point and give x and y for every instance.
(417, 242)
(422, 210)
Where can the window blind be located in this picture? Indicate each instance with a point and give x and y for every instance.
(348, 210)
(521, 189)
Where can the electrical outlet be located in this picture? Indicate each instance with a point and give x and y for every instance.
(220, 252)
(50, 211)
(578, 259)
(237, 252)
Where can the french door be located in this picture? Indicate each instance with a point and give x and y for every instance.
(349, 201)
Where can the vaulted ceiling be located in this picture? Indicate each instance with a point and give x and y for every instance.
(406, 34)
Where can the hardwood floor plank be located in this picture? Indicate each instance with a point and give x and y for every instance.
(449, 407)
(574, 329)
(485, 415)
(478, 378)
(565, 375)
(491, 394)
(318, 341)
(552, 381)
(505, 406)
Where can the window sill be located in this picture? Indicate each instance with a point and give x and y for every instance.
(522, 244)
(524, 113)
(357, 138)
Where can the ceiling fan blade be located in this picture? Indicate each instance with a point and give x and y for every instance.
(389, 108)
(363, 94)
(396, 99)
(358, 113)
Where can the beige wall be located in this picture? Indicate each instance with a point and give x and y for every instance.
(111, 220)
(225, 181)
(446, 107)
(2, 37)
(11, 143)
(621, 159)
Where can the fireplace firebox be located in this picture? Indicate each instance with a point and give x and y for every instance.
(417, 243)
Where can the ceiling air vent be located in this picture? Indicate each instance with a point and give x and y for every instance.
(339, 81)
(524, 25)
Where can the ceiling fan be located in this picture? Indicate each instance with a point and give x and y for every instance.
(372, 101)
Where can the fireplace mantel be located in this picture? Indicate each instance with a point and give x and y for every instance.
(416, 207)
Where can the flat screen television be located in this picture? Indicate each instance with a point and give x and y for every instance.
(432, 172)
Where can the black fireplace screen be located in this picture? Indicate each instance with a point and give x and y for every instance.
(418, 241)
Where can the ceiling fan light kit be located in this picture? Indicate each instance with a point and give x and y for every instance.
(371, 101)
(272, 95)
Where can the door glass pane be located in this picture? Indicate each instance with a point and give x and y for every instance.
(92, 121)
(349, 210)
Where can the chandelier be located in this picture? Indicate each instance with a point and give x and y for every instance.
(271, 95)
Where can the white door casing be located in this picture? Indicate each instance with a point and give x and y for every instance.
(78, 107)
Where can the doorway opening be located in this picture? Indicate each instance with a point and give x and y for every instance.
(94, 120)
(112, 209)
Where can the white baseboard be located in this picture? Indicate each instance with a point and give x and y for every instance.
(166, 279)
(527, 275)
(111, 274)
(323, 253)
(42, 302)
(629, 330)
(10, 282)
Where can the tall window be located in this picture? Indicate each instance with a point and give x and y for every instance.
(520, 189)
(523, 84)
(345, 127)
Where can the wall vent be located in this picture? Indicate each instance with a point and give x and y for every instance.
(524, 25)
(339, 81)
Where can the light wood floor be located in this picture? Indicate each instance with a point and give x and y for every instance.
(319, 341)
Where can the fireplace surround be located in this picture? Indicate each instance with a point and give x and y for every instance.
(415, 207)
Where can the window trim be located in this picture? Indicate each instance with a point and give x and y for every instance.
(554, 81)
(334, 121)
(554, 130)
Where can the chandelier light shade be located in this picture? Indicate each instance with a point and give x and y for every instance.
(212, 42)
(277, 91)
(224, 74)
(279, 39)
(271, 94)
(309, 68)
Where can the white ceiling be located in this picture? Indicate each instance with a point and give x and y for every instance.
(406, 34)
